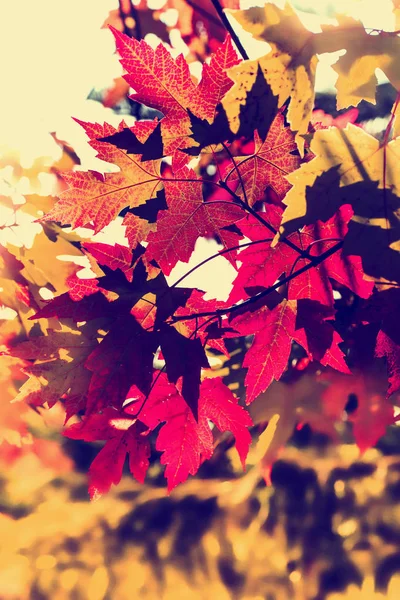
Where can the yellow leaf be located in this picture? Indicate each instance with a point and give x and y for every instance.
(364, 54)
(289, 68)
(351, 167)
(58, 368)
(266, 438)
(350, 155)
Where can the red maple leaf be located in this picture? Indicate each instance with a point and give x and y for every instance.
(123, 436)
(373, 414)
(189, 217)
(97, 198)
(136, 230)
(185, 442)
(268, 355)
(214, 81)
(272, 159)
(317, 336)
(163, 83)
(262, 264)
(196, 304)
(123, 358)
(79, 288)
(274, 330)
(115, 257)
(383, 309)
(388, 347)
(184, 357)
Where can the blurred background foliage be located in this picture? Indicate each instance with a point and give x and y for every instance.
(327, 527)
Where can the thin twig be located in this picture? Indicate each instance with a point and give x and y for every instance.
(236, 168)
(384, 145)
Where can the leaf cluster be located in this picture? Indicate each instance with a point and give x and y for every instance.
(307, 215)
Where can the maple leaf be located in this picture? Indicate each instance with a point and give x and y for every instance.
(137, 229)
(79, 288)
(271, 161)
(13, 427)
(23, 272)
(274, 330)
(159, 81)
(14, 292)
(350, 167)
(214, 82)
(364, 54)
(268, 355)
(125, 352)
(123, 358)
(185, 442)
(250, 104)
(64, 307)
(106, 468)
(382, 310)
(57, 368)
(166, 85)
(285, 405)
(114, 257)
(289, 68)
(184, 357)
(97, 198)
(387, 347)
(264, 262)
(141, 220)
(123, 436)
(126, 139)
(189, 217)
(321, 120)
(196, 304)
(346, 270)
(373, 414)
(317, 336)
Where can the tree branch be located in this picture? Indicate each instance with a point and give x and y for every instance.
(220, 253)
(230, 29)
(256, 215)
(205, 13)
(224, 311)
(236, 168)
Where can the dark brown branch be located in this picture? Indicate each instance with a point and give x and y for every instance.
(256, 215)
(225, 311)
(205, 13)
(220, 253)
(230, 29)
(236, 168)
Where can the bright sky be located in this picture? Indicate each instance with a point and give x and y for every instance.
(53, 53)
